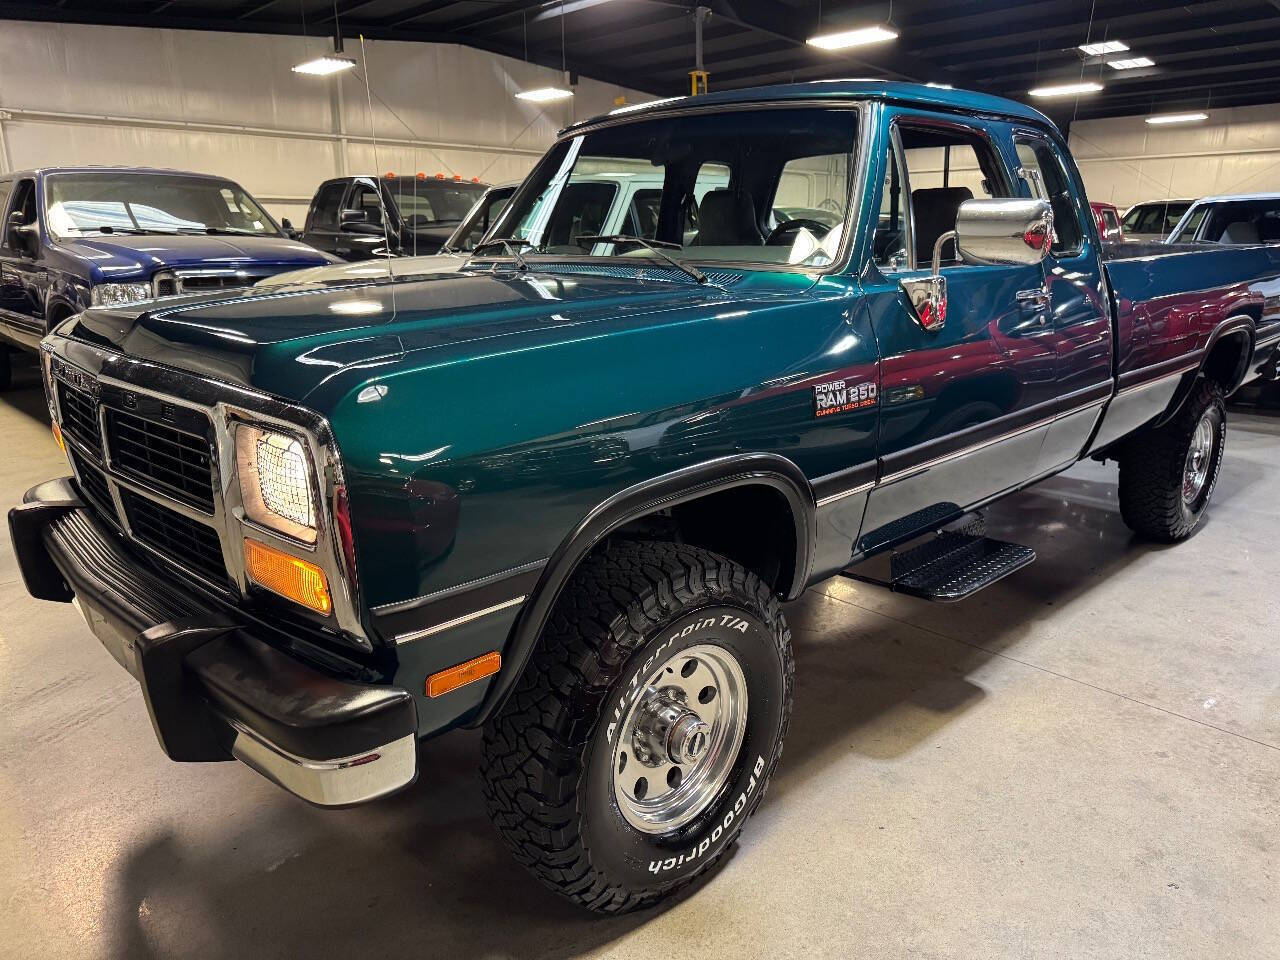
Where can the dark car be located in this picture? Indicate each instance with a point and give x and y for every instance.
(107, 236)
(347, 214)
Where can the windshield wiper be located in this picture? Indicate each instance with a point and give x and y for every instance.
(653, 246)
(108, 230)
(509, 244)
(215, 231)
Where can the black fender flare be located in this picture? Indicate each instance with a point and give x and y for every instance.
(1240, 323)
(631, 503)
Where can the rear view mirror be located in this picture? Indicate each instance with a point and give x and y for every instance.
(22, 236)
(1012, 231)
(353, 216)
(1002, 231)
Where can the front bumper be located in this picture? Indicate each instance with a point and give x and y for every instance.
(213, 690)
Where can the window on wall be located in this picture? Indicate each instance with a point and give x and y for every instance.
(1047, 178)
(937, 169)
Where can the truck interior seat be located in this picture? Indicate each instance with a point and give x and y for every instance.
(727, 218)
(935, 210)
(1240, 231)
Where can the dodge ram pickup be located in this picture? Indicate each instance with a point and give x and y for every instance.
(562, 493)
(76, 237)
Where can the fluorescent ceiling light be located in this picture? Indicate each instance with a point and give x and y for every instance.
(1066, 90)
(329, 63)
(851, 38)
(1177, 118)
(1107, 46)
(1131, 64)
(545, 94)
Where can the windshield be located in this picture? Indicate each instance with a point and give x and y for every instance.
(432, 203)
(1156, 218)
(77, 204)
(742, 186)
(478, 221)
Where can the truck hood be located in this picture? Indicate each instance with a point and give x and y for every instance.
(126, 257)
(287, 342)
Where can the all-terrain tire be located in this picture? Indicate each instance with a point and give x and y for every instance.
(1153, 467)
(548, 762)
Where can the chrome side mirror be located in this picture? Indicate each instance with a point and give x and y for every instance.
(1002, 231)
(1012, 231)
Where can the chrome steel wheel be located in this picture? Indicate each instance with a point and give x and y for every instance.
(680, 738)
(1199, 459)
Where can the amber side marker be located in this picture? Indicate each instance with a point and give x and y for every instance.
(57, 435)
(438, 684)
(287, 575)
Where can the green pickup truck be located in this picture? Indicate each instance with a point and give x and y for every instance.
(563, 492)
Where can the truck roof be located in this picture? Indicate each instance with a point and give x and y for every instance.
(1228, 197)
(108, 168)
(847, 90)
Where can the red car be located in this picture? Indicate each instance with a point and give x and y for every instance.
(1107, 217)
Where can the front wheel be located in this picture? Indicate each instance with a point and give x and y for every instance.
(645, 729)
(1167, 475)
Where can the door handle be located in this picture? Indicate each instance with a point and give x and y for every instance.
(1036, 297)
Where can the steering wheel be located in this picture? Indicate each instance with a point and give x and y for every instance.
(778, 236)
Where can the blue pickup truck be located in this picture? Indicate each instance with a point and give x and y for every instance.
(89, 236)
(563, 492)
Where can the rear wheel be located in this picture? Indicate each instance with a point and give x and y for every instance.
(646, 727)
(1167, 475)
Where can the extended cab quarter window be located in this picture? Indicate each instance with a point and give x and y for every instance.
(929, 172)
(1047, 178)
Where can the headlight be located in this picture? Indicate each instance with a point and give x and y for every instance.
(116, 294)
(275, 481)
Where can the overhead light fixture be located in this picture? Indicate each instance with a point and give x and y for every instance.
(852, 38)
(1066, 90)
(325, 65)
(1107, 46)
(545, 94)
(1133, 63)
(1177, 118)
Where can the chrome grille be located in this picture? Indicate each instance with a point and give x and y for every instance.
(173, 461)
(171, 282)
(187, 542)
(79, 415)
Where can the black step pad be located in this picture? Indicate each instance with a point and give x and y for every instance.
(956, 565)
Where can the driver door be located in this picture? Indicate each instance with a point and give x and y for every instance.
(965, 407)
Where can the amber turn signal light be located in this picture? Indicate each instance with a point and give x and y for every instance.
(438, 684)
(57, 435)
(290, 576)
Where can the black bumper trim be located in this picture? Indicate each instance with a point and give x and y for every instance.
(203, 673)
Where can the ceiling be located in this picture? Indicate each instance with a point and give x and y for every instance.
(1208, 53)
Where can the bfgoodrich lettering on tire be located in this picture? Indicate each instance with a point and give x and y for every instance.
(646, 727)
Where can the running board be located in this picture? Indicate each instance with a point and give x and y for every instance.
(955, 564)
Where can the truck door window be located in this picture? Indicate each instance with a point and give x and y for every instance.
(1047, 178)
(1111, 223)
(890, 240)
(943, 166)
(365, 197)
(326, 206)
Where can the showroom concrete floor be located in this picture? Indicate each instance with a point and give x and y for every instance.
(1083, 761)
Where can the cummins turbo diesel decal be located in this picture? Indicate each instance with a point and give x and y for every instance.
(840, 396)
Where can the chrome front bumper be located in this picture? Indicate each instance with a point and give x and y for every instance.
(214, 690)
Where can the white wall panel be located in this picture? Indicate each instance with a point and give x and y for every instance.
(1124, 160)
(74, 94)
